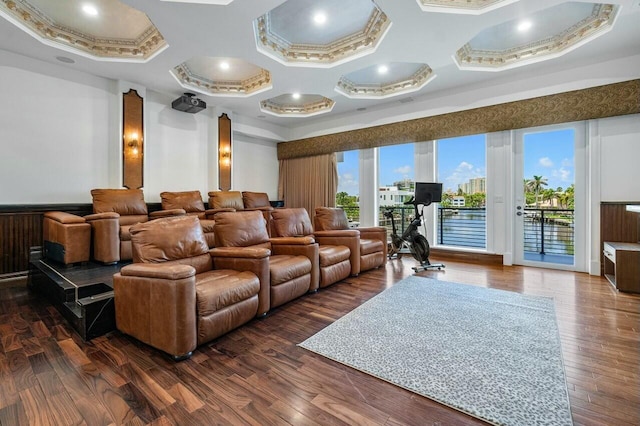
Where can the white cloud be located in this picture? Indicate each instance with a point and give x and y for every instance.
(567, 162)
(545, 162)
(462, 174)
(563, 174)
(404, 170)
(349, 184)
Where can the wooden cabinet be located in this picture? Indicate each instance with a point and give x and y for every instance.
(622, 265)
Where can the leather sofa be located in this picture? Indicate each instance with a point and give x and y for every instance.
(372, 247)
(292, 268)
(66, 237)
(333, 257)
(115, 211)
(175, 296)
(191, 202)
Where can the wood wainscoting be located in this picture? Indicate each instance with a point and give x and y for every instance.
(438, 254)
(21, 229)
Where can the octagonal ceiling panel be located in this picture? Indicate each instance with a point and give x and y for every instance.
(468, 7)
(288, 105)
(102, 30)
(222, 76)
(544, 35)
(320, 33)
(385, 81)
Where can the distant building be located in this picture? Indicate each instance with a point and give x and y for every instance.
(393, 196)
(474, 186)
(458, 201)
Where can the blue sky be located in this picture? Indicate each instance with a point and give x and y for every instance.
(549, 154)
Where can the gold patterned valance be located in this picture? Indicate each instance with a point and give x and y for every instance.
(587, 104)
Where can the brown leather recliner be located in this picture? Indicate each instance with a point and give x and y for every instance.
(373, 240)
(191, 202)
(225, 201)
(66, 237)
(173, 298)
(333, 257)
(292, 270)
(115, 211)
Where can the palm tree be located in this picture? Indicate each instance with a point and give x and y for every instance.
(535, 185)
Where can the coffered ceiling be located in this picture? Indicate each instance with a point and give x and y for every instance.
(291, 62)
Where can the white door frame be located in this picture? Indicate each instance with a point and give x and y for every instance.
(581, 195)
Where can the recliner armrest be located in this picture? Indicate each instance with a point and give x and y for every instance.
(302, 240)
(157, 311)
(105, 215)
(210, 213)
(252, 259)
(154, 270)
(337, 233)
(167, 213)
(344, 237)
(242, 252)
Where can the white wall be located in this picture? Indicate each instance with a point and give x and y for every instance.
(619, 158)
(255, 165)
(54, 132)
(177, 147)
(60, 137)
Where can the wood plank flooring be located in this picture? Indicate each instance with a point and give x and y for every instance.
(257, 375)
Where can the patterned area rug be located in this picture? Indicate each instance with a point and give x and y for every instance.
(490, 353)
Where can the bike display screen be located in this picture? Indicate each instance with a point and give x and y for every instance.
(428, 192)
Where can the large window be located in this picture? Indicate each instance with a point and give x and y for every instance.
(396, 176)
(461, 216)
(348, 184)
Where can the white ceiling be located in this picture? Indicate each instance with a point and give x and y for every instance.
(415, 37)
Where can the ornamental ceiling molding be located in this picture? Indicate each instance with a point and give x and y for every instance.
(598, 23)
(329, 55)
(468, 7)
(31, 20)
(253, 85)
(307, 109)
(415, 82)
(579, 105)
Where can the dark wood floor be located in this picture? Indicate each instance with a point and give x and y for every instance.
(257, 374)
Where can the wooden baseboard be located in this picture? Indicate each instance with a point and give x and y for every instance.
(438, 254)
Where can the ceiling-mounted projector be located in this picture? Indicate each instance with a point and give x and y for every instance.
(189, 103)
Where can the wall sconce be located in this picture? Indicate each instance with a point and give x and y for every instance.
(133, 144)
(225, 158)
(224, 153)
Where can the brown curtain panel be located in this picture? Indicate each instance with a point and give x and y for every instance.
(309, 182)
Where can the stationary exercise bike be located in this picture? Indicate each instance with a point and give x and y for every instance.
(411, 241)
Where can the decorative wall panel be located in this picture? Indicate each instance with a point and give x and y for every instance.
(132, 140)
(596, 102)
(224, 153)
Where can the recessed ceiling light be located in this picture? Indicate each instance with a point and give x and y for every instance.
(320, 18)
(383, 69)
(224, 65)
(296, 95)
(524, 26)
(89, 9)
(65, 60)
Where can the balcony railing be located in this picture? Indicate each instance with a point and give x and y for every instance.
(549, 231)
(462, 227)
